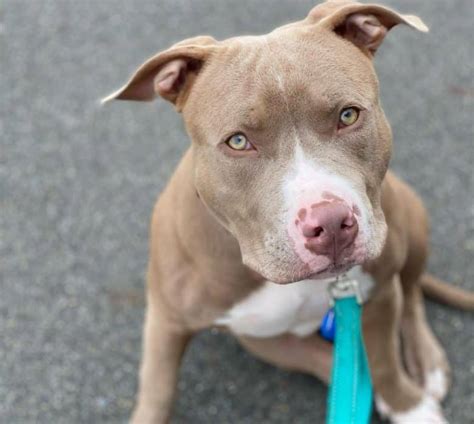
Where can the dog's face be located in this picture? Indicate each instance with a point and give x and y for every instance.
(288, 128)
(290, 144)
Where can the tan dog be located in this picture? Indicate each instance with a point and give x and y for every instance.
(286, 182)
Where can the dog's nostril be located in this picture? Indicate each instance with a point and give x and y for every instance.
(308, 231)
(347, 223)
(311, 232)
(318, 231)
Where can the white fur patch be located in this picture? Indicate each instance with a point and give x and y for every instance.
(428, 411)
(307, 180)
(366, 283)
(436, 384)
(305, 184)
(275, 309)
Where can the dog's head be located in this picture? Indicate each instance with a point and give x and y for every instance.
(290, 143)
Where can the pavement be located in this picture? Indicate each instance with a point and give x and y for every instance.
(78, 183)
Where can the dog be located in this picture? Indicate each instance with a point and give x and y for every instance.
(285, 186)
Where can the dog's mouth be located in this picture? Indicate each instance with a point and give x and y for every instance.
(287, 269)
(331, 271)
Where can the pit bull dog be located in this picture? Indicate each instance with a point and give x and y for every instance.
(286, 185)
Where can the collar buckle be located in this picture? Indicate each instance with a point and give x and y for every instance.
(343, 287)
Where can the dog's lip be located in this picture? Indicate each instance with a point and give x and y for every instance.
(331, 271)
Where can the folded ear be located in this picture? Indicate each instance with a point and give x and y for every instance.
(365, 25)
(169, 74)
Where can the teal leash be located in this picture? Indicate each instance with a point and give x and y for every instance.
(350, 392)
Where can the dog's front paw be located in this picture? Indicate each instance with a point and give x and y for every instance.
(425, 359)
(428, 411)
(437, 383)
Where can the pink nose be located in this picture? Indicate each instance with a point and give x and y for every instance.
(331, 228)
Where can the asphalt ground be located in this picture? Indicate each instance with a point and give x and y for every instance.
(78, 183)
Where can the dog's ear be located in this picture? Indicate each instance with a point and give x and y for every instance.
(365, 25)
(169, 74)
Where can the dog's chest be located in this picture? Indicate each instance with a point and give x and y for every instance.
(275, 309)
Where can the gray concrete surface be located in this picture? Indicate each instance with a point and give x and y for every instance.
(78, 183)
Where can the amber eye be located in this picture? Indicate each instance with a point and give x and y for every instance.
(348, 116)
(239, 142)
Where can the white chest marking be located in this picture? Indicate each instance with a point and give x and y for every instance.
(275, 309)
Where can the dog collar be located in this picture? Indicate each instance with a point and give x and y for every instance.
(350, 391)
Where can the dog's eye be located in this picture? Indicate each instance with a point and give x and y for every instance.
(239, 142)
(348, 116)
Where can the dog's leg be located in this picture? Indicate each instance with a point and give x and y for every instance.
(424, 357)
(163, 349)
(311, 355)
(396, 395)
